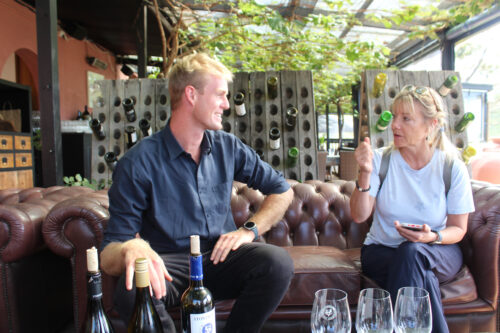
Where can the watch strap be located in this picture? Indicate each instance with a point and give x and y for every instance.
(253, 228)
(439, 240)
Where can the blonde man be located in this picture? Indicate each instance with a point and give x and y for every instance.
(178, 183)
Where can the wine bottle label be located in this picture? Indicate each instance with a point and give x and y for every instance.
(274, 144)
(443, 90)
(381, 128)
(196, 265)
(94, 286)
(133, 137)
(240, 109)
(203, 322)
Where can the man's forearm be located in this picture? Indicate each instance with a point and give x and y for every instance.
(272, 210)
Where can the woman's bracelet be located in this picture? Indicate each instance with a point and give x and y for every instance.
(360, 189)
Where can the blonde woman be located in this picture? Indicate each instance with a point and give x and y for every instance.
(422, 182)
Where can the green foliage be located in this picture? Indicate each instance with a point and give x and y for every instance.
(37, 140)
(253, 37)
(78, 180)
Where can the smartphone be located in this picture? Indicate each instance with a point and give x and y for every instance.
(412, 226)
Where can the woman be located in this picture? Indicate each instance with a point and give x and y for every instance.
(413, 191)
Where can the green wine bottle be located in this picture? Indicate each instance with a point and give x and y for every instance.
(464, 122)
(293, 157)
(145, 319)
(383, 121)
(197, 307)
(272, 87)
(447, 85)
(96, 320)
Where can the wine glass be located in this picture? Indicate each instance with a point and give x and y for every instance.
(413, 311)
(374, 313)
(330, 312)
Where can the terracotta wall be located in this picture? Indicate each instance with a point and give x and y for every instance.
(18, 36)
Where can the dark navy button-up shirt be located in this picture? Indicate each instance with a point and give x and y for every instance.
(161, 193)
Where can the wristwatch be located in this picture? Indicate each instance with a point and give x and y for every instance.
(440, 237)
(249, 225)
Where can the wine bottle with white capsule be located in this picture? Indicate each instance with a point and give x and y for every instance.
(197, 306)
(96, 320)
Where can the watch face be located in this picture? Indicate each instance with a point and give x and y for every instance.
(249, 225)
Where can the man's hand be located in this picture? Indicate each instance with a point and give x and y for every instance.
(138, 248)
(423, 236)
(230, 242)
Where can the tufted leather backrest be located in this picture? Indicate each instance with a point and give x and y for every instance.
(318, 215)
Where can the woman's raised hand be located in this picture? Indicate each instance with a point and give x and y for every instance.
(364, 156)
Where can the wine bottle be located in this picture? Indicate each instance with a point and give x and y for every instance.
(383, 121)
(291, 118)
(293, 157)
(145, 127)
(464, 122)
(467, 153)
(79, 115)
(239, 104)
(447, 85)
(197, 307)
(86, 114)
(379, 84)
(97, 128)
(131, 136)
(145, 319)
(128, 106)
(272, 87)
(111, 160)
(274, 138)
(96, 320)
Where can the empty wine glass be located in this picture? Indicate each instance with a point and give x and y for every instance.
(413, 311)
(374, 313)
(330, 312)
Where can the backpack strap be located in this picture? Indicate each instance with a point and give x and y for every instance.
(448, 166)
(447, 169)
(384, 165)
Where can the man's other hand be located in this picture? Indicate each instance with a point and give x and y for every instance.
(230, 242)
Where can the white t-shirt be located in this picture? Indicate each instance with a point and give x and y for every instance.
(415, 196)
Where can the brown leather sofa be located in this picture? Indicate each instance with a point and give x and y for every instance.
(35, 283)
(324, 243)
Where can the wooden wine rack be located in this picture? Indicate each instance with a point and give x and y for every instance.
(371, 107)
(152, 102)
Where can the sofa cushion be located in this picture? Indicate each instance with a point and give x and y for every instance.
(320, 267)
(461, 289)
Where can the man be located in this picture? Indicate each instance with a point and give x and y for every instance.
(177, 183)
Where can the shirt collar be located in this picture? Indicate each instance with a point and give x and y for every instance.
(174, 149)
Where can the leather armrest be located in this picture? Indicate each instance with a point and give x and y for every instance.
(481, 245)
(20, 230)
(74, 222)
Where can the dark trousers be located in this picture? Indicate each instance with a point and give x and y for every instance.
(257, 275)
(414, 265)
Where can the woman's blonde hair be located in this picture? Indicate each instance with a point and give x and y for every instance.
(193, 70)
(433, 108)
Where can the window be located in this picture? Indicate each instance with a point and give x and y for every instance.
(476, 59)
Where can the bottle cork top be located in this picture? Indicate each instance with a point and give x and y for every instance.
(141, 265)
(195, 244)
(92, 260)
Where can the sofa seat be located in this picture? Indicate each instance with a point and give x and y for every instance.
(324, 243)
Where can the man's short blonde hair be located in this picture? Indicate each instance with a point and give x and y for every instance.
(193, 70)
